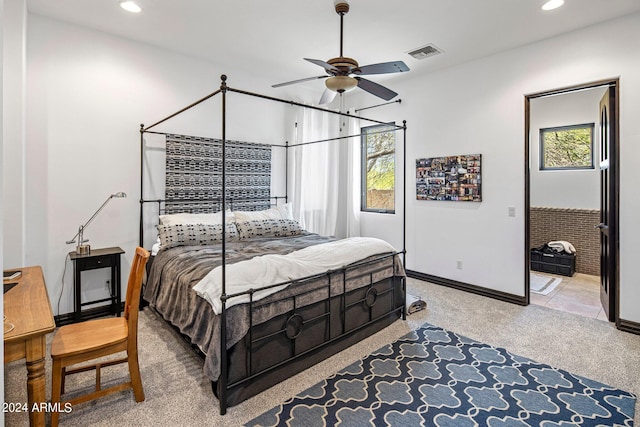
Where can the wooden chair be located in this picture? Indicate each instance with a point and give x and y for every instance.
(86, 341)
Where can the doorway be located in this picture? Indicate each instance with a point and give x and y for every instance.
(596, 213)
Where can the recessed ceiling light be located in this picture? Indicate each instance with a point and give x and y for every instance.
(552, 4)
(130, 6)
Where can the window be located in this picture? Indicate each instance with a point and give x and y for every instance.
(378, 168)
(567, 147)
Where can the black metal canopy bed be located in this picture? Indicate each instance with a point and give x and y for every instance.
(259, 298)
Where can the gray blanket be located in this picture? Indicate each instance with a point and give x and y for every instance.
(175, 271)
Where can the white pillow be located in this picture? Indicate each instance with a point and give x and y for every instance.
(197, 218)
(277, 212)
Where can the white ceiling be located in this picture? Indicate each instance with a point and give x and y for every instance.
(271, 37)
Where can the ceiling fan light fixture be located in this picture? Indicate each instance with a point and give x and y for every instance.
(341, 83)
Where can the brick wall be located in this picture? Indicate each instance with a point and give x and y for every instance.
(573, 225)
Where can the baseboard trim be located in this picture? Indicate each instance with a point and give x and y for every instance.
(629, 326)
(92, 313)
(480, 290)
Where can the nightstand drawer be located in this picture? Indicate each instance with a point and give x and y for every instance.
(95, 262)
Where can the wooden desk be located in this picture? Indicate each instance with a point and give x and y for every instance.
(27, 307)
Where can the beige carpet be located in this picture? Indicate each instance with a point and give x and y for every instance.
(177, 393)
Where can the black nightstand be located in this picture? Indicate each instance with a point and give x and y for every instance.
(97, 258)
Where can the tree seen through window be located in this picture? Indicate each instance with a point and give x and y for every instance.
(567, 147)
(378, 168)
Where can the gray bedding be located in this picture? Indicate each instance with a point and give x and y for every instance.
(175, 271)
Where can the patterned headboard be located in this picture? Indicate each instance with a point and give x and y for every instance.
(194, 175)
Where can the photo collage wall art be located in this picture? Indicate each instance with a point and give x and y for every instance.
(454, 178)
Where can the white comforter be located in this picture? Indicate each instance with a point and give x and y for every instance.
(270, 269)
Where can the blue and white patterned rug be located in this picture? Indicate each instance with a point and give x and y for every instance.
(433, 377)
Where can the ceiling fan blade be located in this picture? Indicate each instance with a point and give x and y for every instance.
(327, 96)
(299, 81)
(323, 64)
(376, 89)
(382, 68)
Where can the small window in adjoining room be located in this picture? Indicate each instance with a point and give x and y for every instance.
(567, 147)
(378, 168)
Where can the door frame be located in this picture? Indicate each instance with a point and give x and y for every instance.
(615, 178)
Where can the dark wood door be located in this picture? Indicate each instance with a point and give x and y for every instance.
(608, 206)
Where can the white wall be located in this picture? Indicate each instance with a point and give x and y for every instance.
(87, 93)
(578, 188)
(478, 107)
(14, 29)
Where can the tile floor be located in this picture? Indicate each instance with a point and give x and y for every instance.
(579, 294)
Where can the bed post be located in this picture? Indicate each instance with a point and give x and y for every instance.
(404, 215)
(404, 191)
(141, 231)
(223, 297)
(286, 172)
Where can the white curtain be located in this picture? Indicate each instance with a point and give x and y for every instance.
(325, 176)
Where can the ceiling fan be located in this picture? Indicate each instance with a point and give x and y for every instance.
(343, 74)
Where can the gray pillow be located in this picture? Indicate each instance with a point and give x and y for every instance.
(268, 228)
(194, 234)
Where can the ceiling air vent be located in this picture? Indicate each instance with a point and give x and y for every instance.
(425, 51)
